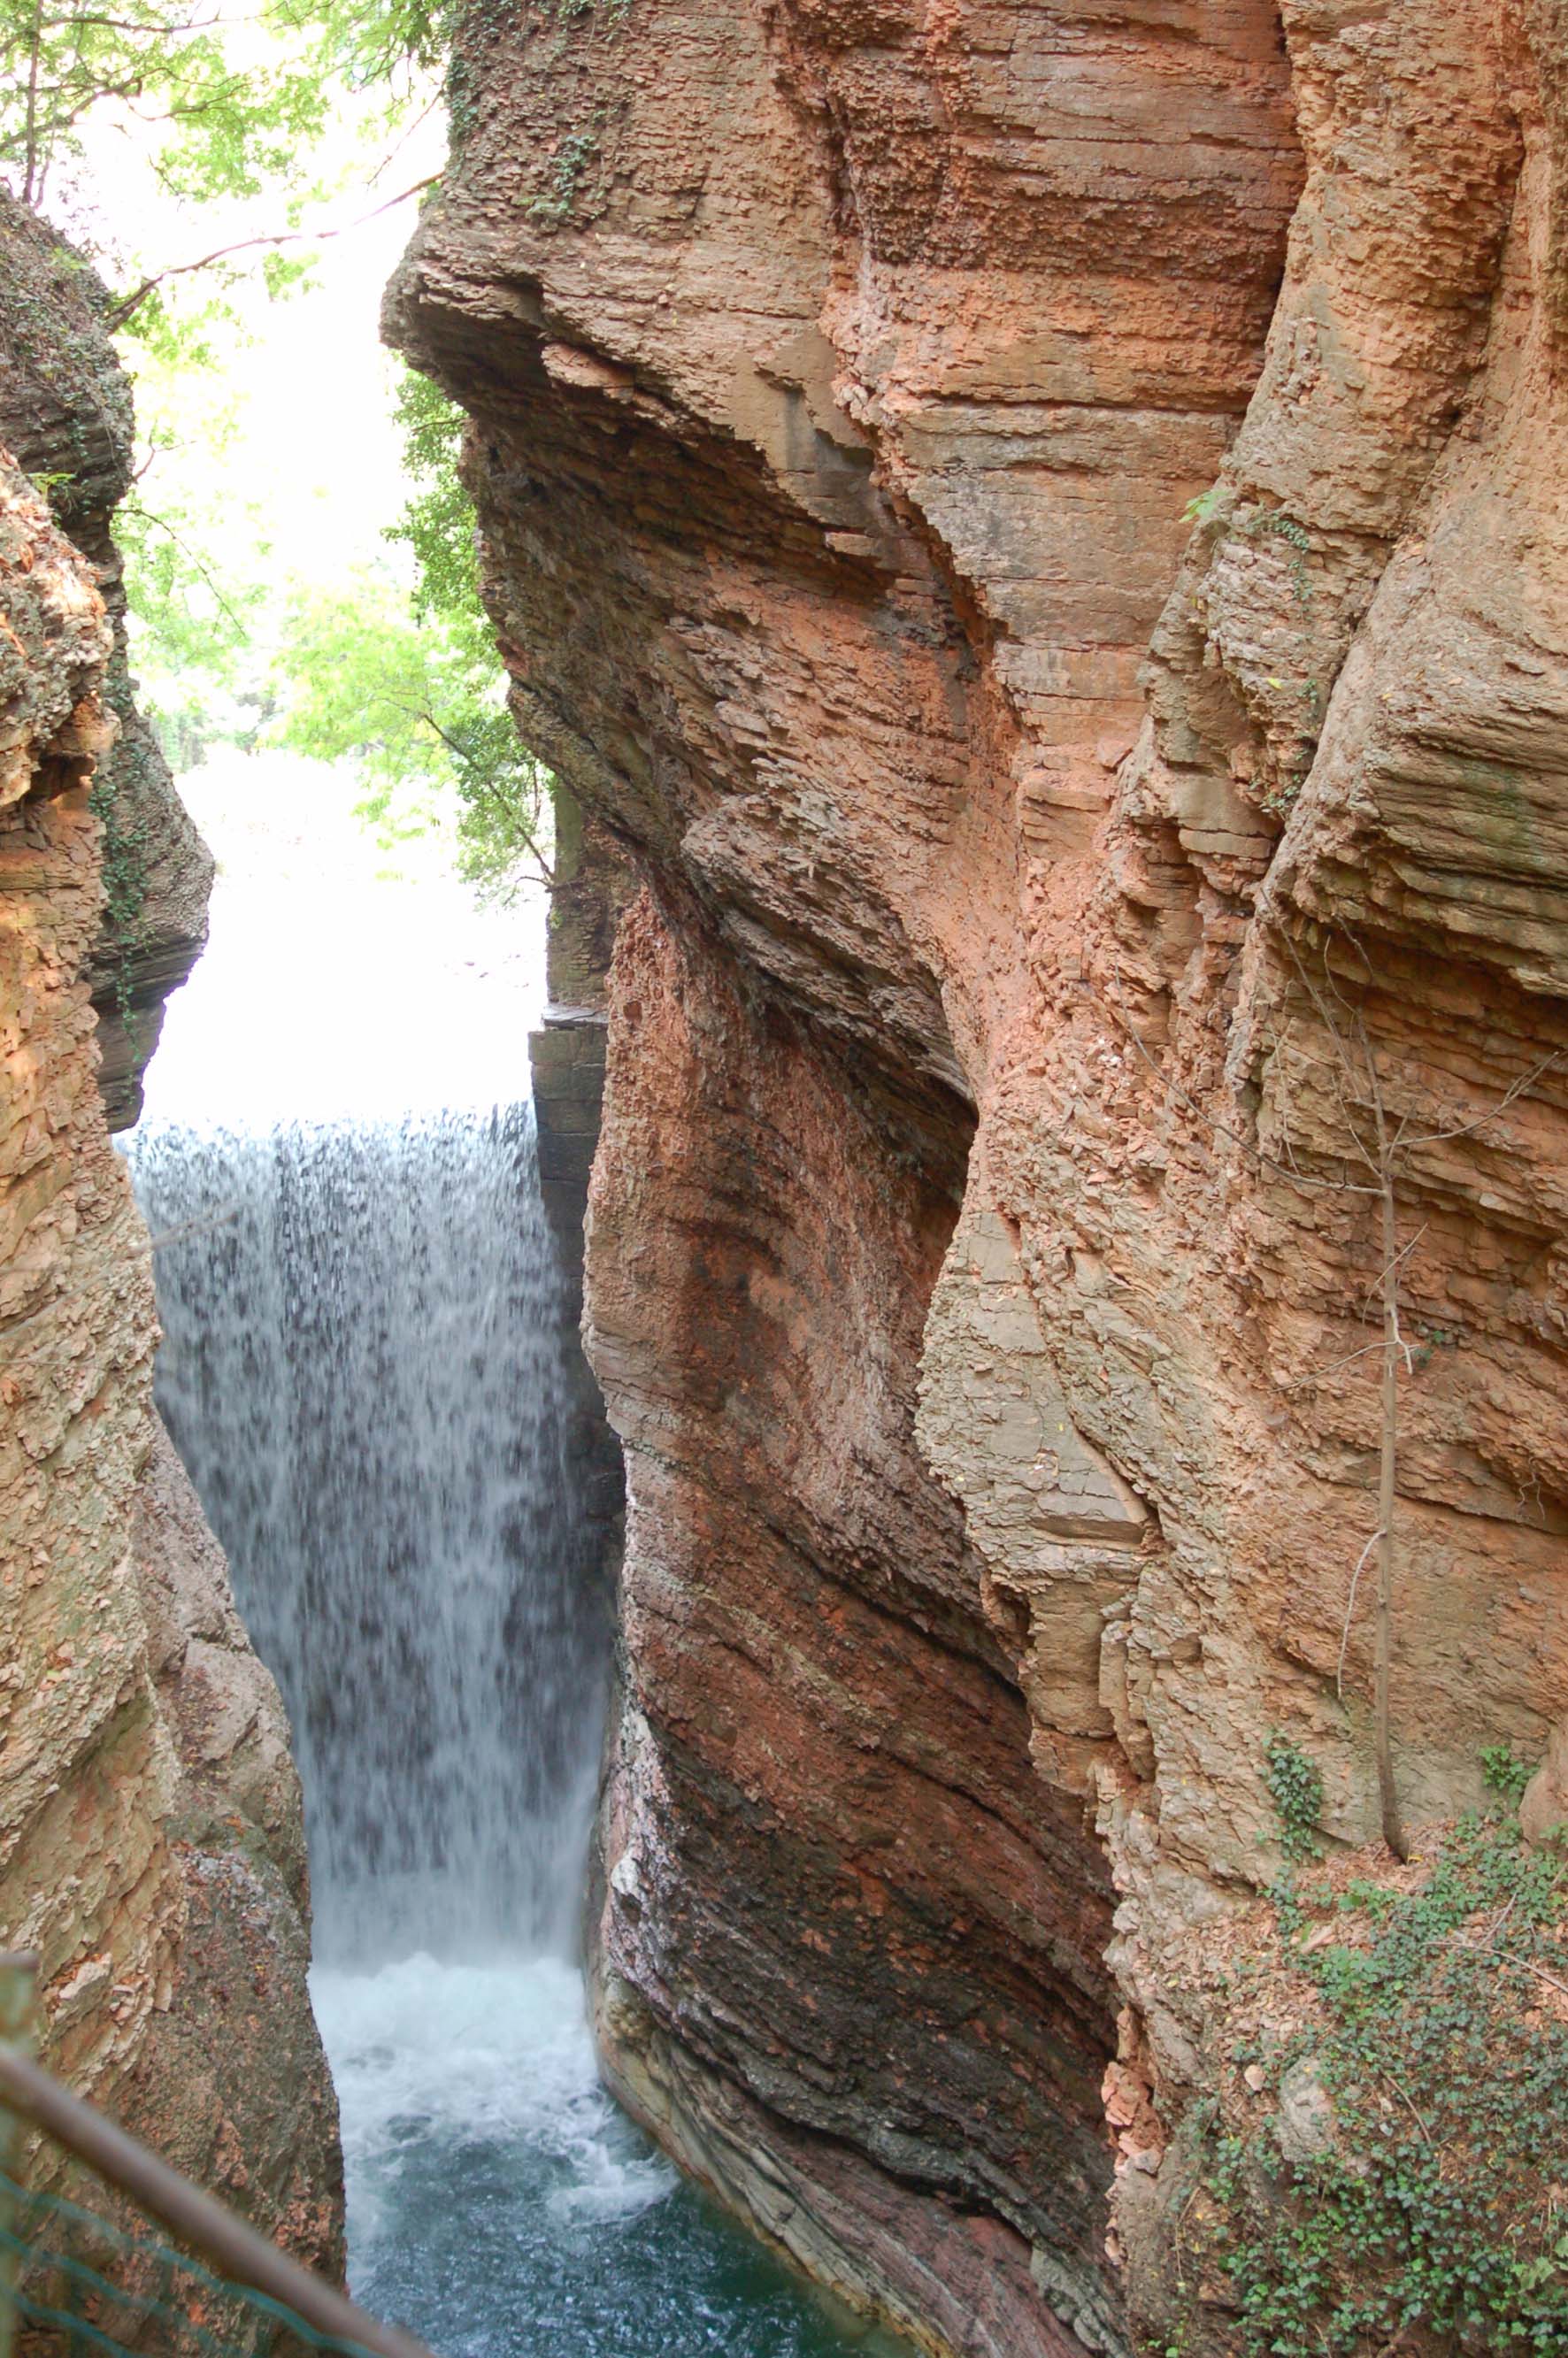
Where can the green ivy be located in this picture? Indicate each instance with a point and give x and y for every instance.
(1276, 524)
(1504, 1773)
(571, 162)
(1295, 1785)
(1436, 2204)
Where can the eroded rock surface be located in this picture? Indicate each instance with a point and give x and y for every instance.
(1041, 527)
(150, 1841)
(65, 417)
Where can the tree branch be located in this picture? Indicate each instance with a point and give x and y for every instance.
(131, 304)
(1510, 1096)
(147, 516)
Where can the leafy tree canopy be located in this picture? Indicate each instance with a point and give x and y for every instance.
(241, 117)
(410, 685)
(225, 105)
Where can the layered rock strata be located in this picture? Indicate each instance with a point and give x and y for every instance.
(1039, 527)
(65, 416)
(589, 886)
(151, 1850)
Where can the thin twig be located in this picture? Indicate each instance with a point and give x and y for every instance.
(147, 516)
(131, 303)
(1390, 2082)
(1249, 1146)
(1509, 1096)
(1498, 1921)
(1403, 1254)
(1350, 1609)
(195, 1229)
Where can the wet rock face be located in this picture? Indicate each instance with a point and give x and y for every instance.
(150, 1842)
(65, 417)
(831, 1879)
(1037, 526)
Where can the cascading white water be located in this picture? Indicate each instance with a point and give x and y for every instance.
(362, 1370)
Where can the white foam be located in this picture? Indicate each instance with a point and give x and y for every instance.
(497, 2052)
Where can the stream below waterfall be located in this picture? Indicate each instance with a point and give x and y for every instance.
(363, 1371)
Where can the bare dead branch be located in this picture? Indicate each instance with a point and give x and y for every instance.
(197, 1227)
(1510, 1096)
(131, 304)
(1350, 1607)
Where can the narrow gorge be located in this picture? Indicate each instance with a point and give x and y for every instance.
(1030, 536)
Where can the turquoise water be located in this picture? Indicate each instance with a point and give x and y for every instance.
(362, 1372)
(499, 2205)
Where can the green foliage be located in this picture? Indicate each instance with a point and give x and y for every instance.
(409, 684)
(222, 127)
(197, 560)
(1438, 2033)
(1295, 1787)
(122, 857)
(1205, 507)
(438, 523)
(123, 840)
(221, 107)
(193, 623)
(1503, 1773)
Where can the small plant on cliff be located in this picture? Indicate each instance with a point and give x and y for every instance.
(122, 844)
(1505, 1772)
(1295, 1785)
(1275, 524)
(123, 863)
(571, 161)
(1206, 506)
(1423, 2196)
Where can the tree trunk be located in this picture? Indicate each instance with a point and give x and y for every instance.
(1388, 1794)
(31, 175)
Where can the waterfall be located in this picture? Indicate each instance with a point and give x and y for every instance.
(362, 1371)
(365, 1369)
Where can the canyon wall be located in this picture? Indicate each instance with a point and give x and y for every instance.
(589, 885)
(151, 1846)
(1037, 526)
(65, 417)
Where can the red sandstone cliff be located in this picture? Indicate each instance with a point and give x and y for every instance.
(151, 1846)
(65, 417)
(1049, 880)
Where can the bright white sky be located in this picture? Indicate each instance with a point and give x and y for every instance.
(317, 452)
(315, 456)
(335, 987)
(342, 978)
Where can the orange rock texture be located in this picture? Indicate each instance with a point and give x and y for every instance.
(151, 1848)
(1039, 525)
(65, 417)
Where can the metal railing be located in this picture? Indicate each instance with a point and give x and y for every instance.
(75, 2281)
